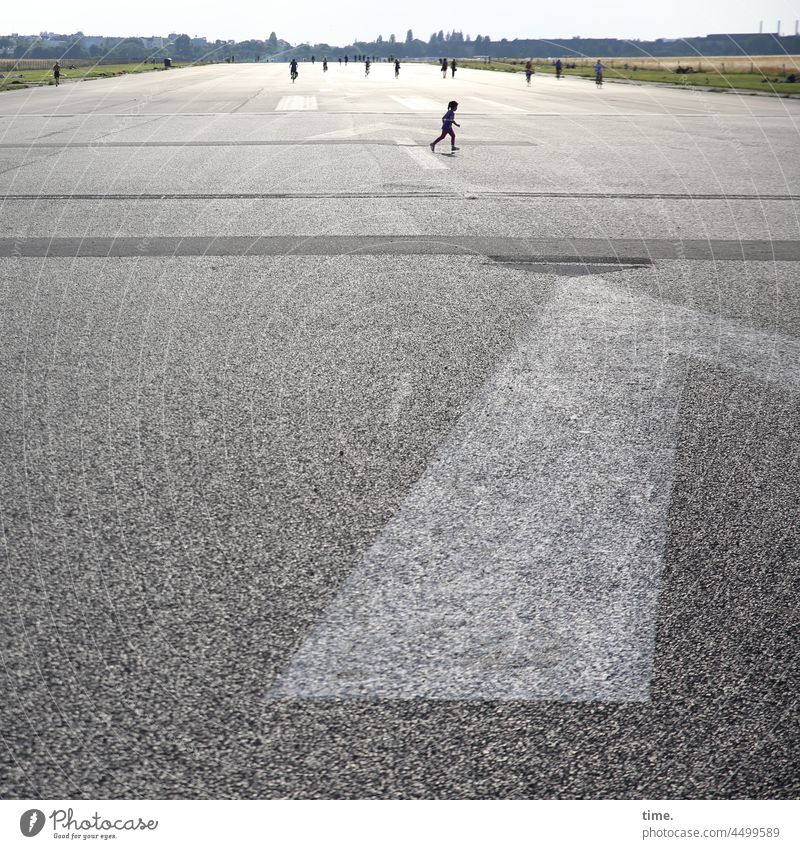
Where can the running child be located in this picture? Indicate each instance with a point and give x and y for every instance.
(448, 119)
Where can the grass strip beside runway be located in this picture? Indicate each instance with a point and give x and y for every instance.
(717, 79)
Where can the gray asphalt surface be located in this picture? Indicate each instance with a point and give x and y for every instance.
(244, 376)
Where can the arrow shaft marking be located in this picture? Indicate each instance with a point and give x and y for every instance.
(525, 562)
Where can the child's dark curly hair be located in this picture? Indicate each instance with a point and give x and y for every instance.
(452, 104)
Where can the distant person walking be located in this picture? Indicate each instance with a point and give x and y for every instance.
(559, 66)
(56, 72)
(325, 63)
(346, 60)
(366, 67)
(448, 120)
(340, 60)
(396, 68)
(598, 73)
(528, 71)
(444, 69)
(453, 67)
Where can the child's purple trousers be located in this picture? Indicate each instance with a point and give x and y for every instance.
(447, 132)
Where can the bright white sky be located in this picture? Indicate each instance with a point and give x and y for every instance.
(341, 21)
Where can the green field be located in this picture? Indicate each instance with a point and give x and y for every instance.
(22, 79)
(731, 79)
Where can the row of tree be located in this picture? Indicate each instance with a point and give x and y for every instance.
(135, 49)
(452, 43)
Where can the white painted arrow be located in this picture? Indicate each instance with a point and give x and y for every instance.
(525, 562)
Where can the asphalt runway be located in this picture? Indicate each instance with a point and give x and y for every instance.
(333, 467)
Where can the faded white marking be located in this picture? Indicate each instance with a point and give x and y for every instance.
(423, 156)
(525, 562)
(420, 104)
(349, 132)
(297, 103)
(502, 106)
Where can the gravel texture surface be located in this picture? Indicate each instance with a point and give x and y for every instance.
(204, 458)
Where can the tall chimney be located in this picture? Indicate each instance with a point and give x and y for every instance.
(760, 27)
(797, 27)
(778, 30)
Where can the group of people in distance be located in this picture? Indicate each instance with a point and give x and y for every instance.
(599, 68)
(443, 67)
(529, 70)
(294, 73)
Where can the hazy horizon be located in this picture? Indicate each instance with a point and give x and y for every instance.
(342, 22)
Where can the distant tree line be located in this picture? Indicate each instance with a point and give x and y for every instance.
(457, 44)
(139, 49)
(439, 44)
(710, 45)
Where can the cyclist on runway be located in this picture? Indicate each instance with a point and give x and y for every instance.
(293, 69)
(528, 71)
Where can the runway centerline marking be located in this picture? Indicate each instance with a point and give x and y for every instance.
(525, 563)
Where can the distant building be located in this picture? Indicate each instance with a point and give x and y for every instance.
(54, 39)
